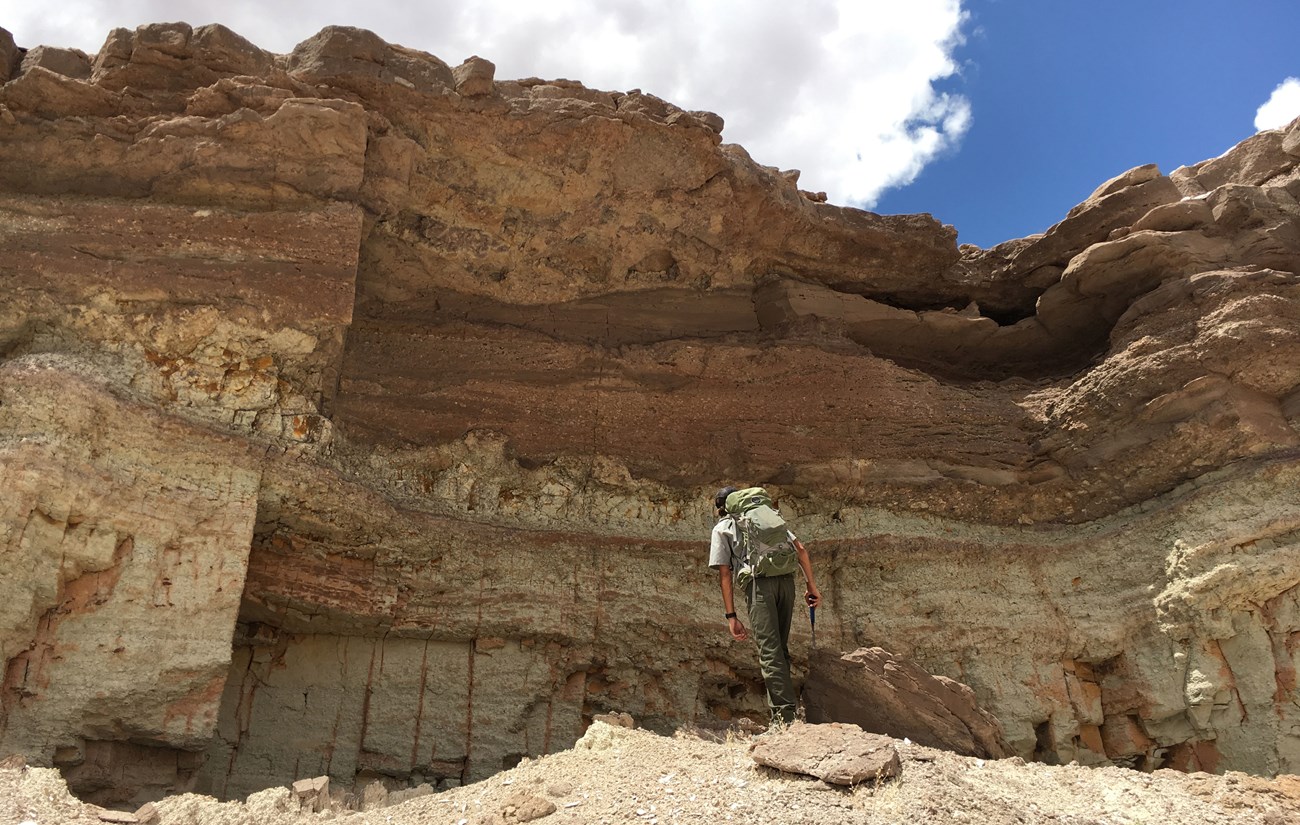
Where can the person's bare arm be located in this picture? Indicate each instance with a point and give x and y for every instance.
(813, 597)
(738, 630)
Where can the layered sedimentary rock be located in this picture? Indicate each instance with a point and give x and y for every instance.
(360, 414)
(126, 558)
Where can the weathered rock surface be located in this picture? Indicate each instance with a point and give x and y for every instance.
(359, 414)
(10, 55)
(887, 694)
(69, 62)
(126, 558)
(839, 754)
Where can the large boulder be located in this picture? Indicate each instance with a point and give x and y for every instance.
(69, 62)
(356, 58)
(175, 57)
(474, 76)
(892, 695)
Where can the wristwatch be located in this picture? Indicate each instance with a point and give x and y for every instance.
(728, 615)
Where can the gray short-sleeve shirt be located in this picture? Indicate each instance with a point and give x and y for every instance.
(723, 543)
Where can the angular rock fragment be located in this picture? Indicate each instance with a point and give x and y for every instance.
(148, 814)
(840, 754)
(1139, 174)
(374, 796)
(312, 794)
(227, 52)
(1291, 141)
(710, 119)
(521, 806)
(347, 55)
(617, 719)
(68, 62)
(474, 77)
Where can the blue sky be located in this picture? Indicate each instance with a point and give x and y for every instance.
(1065, 95)
(996, 116)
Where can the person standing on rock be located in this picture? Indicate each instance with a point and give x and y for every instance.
(769, 601)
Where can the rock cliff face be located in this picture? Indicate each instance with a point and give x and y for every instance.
(359, 415)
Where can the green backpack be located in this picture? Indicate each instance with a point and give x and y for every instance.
(766, 548)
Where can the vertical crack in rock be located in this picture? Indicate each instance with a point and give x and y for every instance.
(419, 712)
(243, 712)
(376, 650)
(1230, 679)
(469, 715)
(1282, 647)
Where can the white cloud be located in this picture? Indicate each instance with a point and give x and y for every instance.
(1282, 107)
(840, 89)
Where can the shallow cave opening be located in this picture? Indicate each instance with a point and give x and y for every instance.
(1045, 743)
(1008, 317)
(1005, 312)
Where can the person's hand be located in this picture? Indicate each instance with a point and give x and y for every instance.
(813, 597)
(738, 630)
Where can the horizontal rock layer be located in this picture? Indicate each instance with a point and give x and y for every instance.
(372, 406)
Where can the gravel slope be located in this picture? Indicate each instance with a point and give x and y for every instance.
(618, 775)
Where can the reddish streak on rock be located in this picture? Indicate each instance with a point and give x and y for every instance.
(288, 569)
(24, 674)
(1227, 676)
(202, 701)
(1281, 643)
(1193, 756)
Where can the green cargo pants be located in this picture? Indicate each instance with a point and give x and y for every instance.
(770, 602)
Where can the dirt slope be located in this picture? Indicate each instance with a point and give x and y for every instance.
(619, 775)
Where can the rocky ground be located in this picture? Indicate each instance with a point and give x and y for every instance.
(616, 774)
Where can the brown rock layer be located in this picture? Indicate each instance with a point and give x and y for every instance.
(412, 382)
